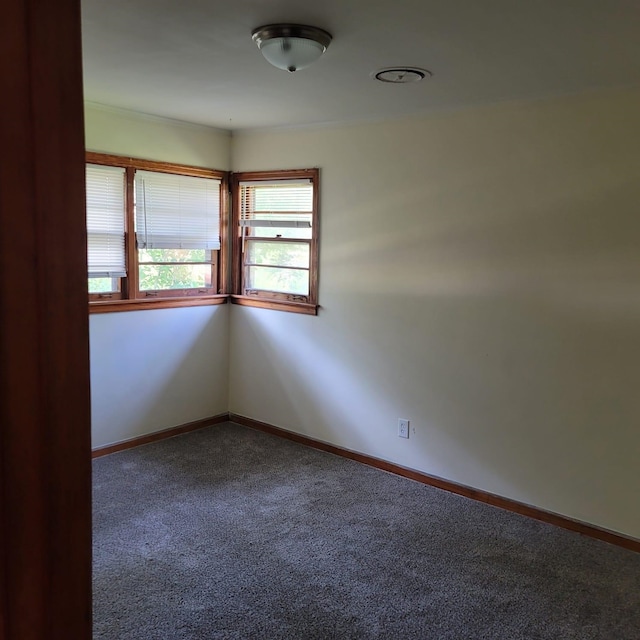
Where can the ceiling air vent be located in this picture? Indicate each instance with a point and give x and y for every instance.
(401, 75)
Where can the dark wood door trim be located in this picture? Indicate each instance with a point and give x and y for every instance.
(45, 481)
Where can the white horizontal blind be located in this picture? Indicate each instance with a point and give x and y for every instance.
(105, 221)
(277, 203)
(177, 212)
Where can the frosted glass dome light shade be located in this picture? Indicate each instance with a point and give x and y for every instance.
(291, 46)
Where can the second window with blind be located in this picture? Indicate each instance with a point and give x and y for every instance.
(275, 219)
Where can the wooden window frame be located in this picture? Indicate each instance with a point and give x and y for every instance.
(129, 297)
(277, 301)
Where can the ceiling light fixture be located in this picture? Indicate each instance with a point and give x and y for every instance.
(291, 46)
(401, 75)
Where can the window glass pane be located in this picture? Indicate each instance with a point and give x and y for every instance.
(174, 255)
(281, 280)
(303, 233)
(178, 276)
(285, 254)
(104, 285)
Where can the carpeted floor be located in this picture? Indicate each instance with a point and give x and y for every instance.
(231, 533)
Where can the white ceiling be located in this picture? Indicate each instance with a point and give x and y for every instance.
(194, 60)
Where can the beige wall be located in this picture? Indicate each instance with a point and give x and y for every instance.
(140, 136)
(479, 275)
(151, 370)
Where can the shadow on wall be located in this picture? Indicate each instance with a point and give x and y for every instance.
(311, 383)
(157, 369)
(537, 407)
(506, 331)
(567, 241)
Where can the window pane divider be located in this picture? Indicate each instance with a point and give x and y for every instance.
(275, 266)
(267, 222)
(130, 238)
(302, 297)
(173, 264)
(272, 239)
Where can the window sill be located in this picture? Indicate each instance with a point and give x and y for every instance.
(111, 306)
(276, 305)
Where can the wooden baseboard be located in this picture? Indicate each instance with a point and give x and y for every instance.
(159, 435)
(549, 517)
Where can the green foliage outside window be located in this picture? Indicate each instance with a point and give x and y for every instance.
(267, 256)
(295, 281)
(278, 254)
(190, 269)
(102, 285)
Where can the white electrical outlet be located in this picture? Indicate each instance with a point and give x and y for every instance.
(403, 428)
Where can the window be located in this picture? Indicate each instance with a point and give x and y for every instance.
(276, 239)
(153, 233)
(105, 230)
(157, 236)
(178, 233)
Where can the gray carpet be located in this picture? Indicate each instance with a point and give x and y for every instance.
(231, 533)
